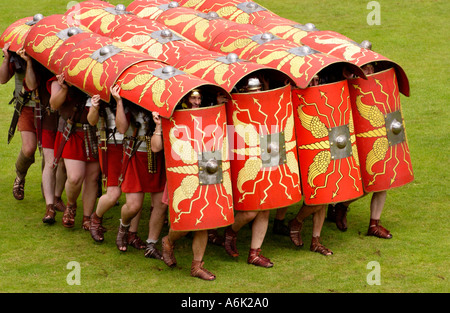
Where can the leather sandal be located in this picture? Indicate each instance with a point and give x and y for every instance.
(49, 217)
(256, 258)
(230, 242)
(96, 228)
(295, 229)
(197, 270)
(215, 238)
(375, 229)
(316, 246)
(341, 216)
(68, 218)
(167, 252)
(152, 252)
(86, 222)
(135, 241)
(59, 204)
(122, 237)
(19, 188)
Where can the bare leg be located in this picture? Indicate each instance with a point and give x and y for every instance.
(108, 200)
(318, 219)
(295, 225)
(29, 143)
(90, 187)
(241, 219)
(376, 207)
(377, 204)
(198, 248)
(132, 206)
(23, 163)
(157, 217)
(281, 213)
(48, 177)
(259, 229)
(75, 176)
(60, 177)
(199, 244)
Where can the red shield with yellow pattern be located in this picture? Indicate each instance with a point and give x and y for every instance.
(241, 39)
(223, 70)
(16, 33)
(99, 16)
(327, 150)
(94, 64)
(346, 49)
(380, 131)
(249, 12)
(283, 28)
(264, 162)
(198, 169)
(155, 39)
(199, 27)
(300, 63)
(150, 9)
(240, 11)
(46, 37)
(158, 87)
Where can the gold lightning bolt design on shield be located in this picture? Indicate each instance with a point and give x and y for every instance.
(105, 18)
(254, 165)
(190, 184)
(200, 25)
(289, 32)
(319, 130)
(206, 66)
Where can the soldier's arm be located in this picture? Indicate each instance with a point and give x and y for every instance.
(5, 69)
(93, 113)
(30, 76)
(58, 92)
(156, 141)
(121, 118)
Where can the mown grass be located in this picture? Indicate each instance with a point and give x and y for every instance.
(34, 256)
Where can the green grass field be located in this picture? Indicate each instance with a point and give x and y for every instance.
(34, 256)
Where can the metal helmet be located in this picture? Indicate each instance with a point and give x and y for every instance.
(253, 84)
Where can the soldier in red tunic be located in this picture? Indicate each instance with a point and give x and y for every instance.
(20, 66)
(200, 241)
(259, 219)
(76, 143)
(338, 213)
(111, 154)
(142, 172)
